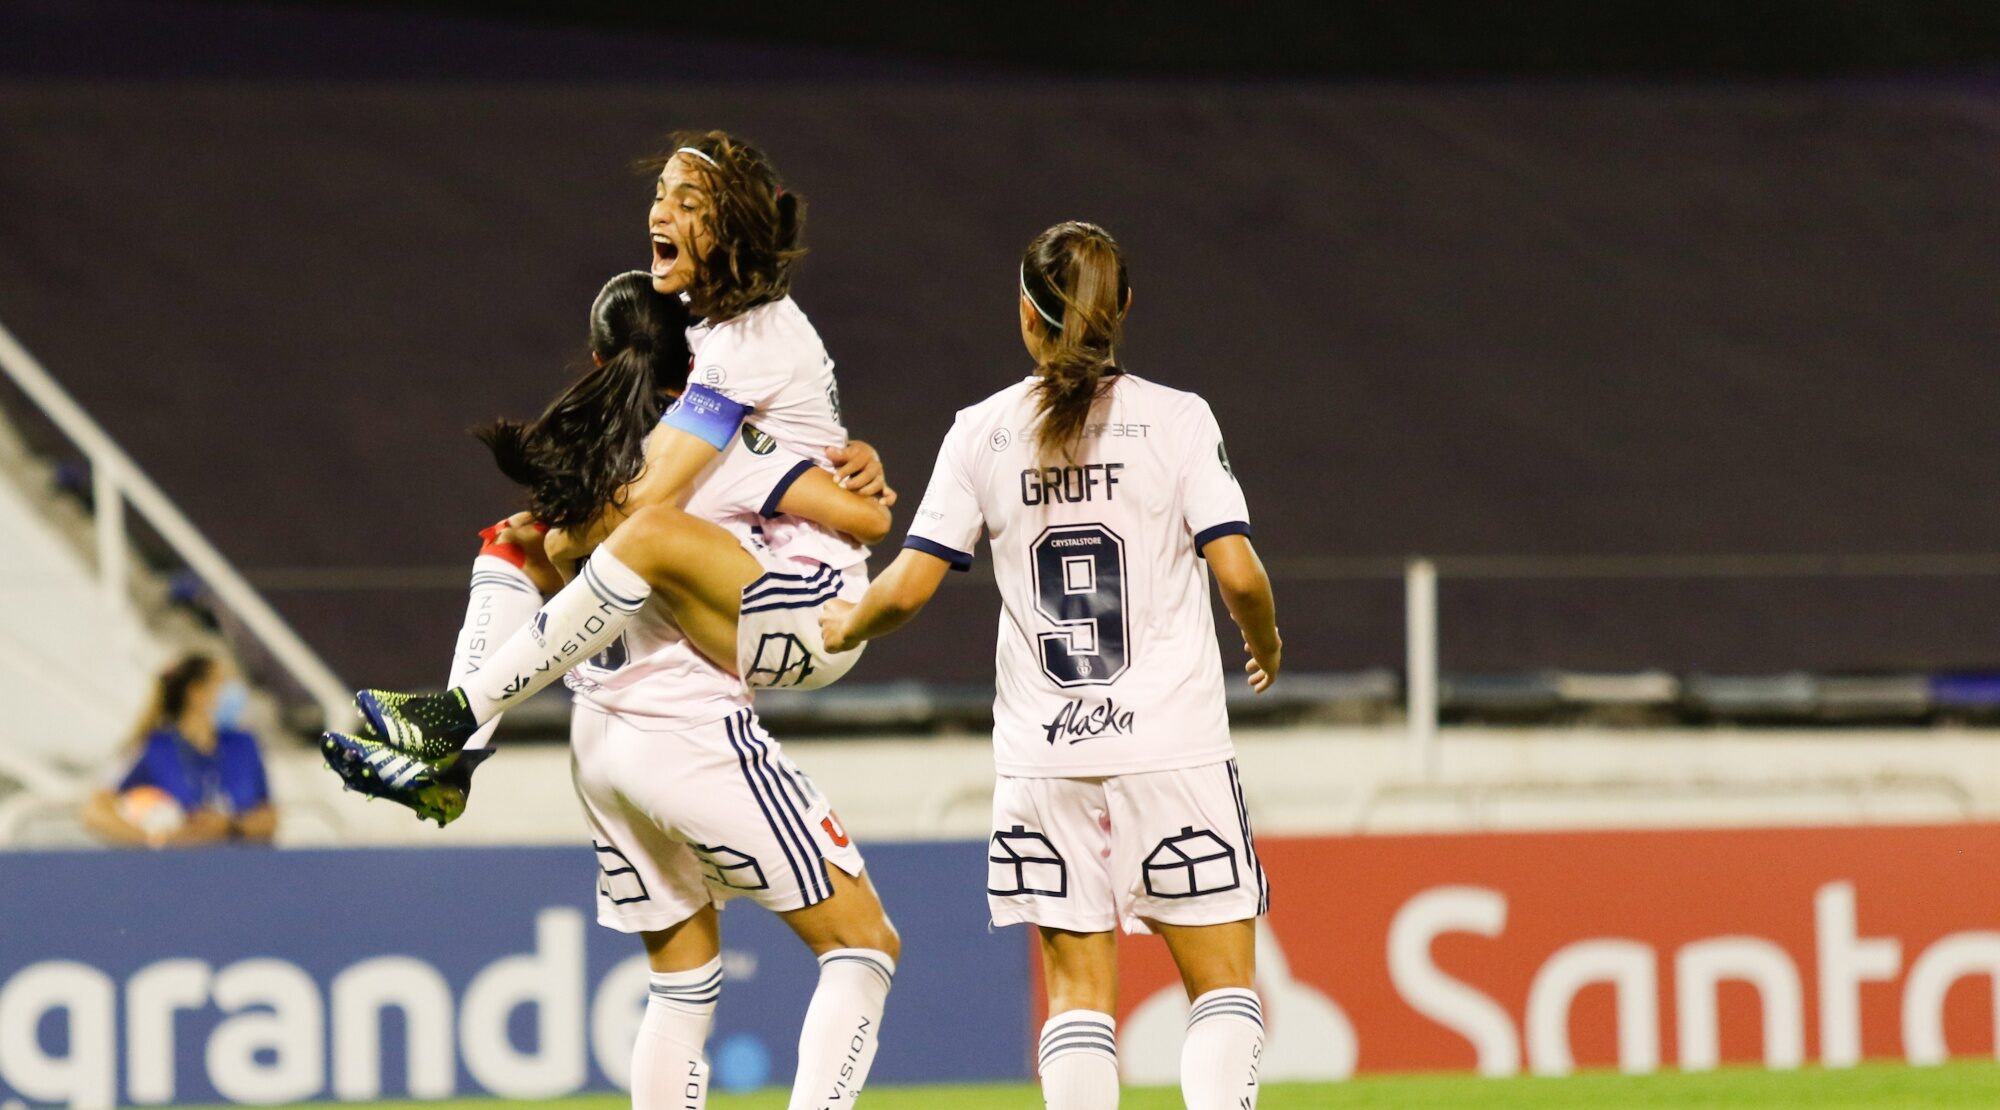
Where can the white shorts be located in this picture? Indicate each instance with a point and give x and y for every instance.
(684, 817)
(778, 641)
(1089, 855)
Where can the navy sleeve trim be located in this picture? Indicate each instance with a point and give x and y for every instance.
(959, 560)
(1209, 535)
(778, 491)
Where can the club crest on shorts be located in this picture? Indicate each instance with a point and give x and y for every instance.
(835, 831)
(782, 659)
(757, 441)
(1023, 862)
(1191, 865)
(725, 866)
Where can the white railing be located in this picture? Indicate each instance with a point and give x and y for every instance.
(1420, 684)
(117, 482)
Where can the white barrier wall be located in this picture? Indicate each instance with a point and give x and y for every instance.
(1305, 781)
(74, 673)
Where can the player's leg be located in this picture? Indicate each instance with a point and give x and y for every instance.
(698, 569)
(1184, 836)
(651, 884)
(669, 1061)
(1046, 867)
(762, 830)
(1225, 1030)
(1078, 1053)
(500, 599)
(857, 948)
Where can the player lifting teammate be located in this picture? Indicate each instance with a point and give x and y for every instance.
(1118, 800)
(689, 801)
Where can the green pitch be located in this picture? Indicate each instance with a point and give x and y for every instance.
(1865, 1088)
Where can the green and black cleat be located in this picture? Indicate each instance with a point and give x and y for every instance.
(428, 727)
(369, 766)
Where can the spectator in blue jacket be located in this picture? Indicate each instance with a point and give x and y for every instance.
(194, 777)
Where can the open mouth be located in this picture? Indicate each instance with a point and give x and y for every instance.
(665, 253)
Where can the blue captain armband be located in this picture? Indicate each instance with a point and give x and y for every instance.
(707, 415)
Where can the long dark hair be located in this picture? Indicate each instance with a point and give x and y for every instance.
(170, 695)
(591, 440)
(1074, 276)
(757, 224)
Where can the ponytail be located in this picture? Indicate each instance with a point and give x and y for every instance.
(590, 443)
(1073, 275)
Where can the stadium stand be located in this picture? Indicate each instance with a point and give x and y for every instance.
(1771, 248)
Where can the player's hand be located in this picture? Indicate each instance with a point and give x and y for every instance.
(1263, 672)
(859, 470)
(530, 535)
(833, 625)
(560, 547)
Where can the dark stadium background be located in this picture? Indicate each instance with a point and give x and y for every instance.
(1701, 291)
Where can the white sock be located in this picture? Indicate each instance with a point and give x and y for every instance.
(1225, 1040)
(576, 624)
(1079, 1061)
(503, 599)
(669, 1069)
(842, 1028)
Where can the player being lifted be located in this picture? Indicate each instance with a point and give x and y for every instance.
(725, 234)
(1117, 800)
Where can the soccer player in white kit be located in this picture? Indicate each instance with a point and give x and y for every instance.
(1104, 496)
(689, 802)
(724, 234)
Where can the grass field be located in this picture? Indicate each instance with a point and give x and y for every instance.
(1873, 1086)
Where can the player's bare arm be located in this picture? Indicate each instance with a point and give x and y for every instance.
(817, 496)
(899, 594)
(674, 459)
(523, 532)
(1246, 590)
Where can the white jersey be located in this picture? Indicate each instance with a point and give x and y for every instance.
(1107, 662)
(651, 670)
(769, 360)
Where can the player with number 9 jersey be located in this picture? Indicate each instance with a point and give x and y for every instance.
(1109, 501)
(1106, 660)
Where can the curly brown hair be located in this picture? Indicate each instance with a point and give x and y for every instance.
(757, 224)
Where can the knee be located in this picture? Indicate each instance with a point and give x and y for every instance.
(1214, 971)
(651, 524)
(881, 935)
(645, 539)
(1082, 975)
(877, 935)
(1200, 981)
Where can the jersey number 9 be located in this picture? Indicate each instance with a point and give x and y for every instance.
(1080, 588)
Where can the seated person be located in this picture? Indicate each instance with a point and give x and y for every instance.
(193, 778)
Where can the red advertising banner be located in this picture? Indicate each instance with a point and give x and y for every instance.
(1545, 952)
